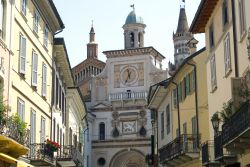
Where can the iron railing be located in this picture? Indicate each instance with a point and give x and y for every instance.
(207, 150)
(127, 96)
(236, 124)
(40, 151)
(11, 128)
(186, 143)
(218, 147)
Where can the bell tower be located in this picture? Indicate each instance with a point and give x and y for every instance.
(134, 30)
(92, 46)
(181, 37)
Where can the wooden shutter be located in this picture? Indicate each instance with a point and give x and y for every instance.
(42, 130)
(22, 54)
(33, 126)
(34, 69)
(44, 80)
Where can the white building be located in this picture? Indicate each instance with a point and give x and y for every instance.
(119, 123)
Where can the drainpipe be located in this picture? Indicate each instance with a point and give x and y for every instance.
(196, 102)
(178, 108)
(235, 40)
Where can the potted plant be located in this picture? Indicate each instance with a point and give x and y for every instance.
(51, 147)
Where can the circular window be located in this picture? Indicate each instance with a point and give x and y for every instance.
(101, 161)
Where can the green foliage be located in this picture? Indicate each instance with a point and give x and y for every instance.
(227, 111)
(21, 125)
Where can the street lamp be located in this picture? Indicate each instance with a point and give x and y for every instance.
(215, 122)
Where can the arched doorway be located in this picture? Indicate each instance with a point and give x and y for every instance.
(128, 158)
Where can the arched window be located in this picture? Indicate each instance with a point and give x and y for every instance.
(101, 131)
(132, 39)
(1, 18)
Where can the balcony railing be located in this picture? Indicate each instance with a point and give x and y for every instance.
(208, 154)
(218, 147)
(40, 155)
(12, 129)
(186, 145)
(237, 124)
(127, 96)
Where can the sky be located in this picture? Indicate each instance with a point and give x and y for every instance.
(160, 17)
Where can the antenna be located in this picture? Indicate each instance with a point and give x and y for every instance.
(133, 6)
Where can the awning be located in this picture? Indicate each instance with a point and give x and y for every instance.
(23, 164)
(66, 163)
(7, 158)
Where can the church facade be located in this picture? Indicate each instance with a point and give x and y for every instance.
(119, 121)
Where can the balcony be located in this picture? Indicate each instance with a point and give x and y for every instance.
(40, 155)
(127, 96)
(236, 130)
(181, 150)
(13, 139)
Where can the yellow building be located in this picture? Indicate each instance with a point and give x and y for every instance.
(226, 26)
(179, 106)
(34, 25)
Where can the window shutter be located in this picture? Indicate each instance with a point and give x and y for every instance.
(42, 130)
(227, 55)
(213, 72)
(44, 80)
(34, 69)
(187, 85)
(1, 17)
(22, 54)
(175, 97)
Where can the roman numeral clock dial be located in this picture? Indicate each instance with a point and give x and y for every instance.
(129, 75)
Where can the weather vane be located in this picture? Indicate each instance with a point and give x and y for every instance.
(133, 6)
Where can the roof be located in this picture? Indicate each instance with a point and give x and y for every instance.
(182, 23)
(133, 19)
(165, 83)
(57, 14)
(202, 15)
(133, 51)
(61, 60)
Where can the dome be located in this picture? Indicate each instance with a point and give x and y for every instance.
(132, 18)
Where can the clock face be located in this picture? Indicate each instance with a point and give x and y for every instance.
(129, 75)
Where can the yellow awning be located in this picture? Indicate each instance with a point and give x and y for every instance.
(7, 158)
(23, 164)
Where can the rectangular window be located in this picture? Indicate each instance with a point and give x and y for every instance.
(162, 125)
(46, 36)
(187, 85)
(180, 92)
(242, 17)
(168, 119)
(34, 69)
(175, 97)
(22, 54)
(2, 16)
(57, 87)
(60, 96)
(213, 73)
(227, 54)
(194, 132)
(44, 80)
(63, 112)
(33, 126)
(54, 129)
(36, 21)
(211, 36)
(177, 132)
(24, 6)
(225, 12)
(42, 137)
(20, 108)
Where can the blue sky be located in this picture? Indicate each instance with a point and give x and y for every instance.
(160, 16)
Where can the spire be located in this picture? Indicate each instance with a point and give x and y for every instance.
(182, 23)
(92, 33)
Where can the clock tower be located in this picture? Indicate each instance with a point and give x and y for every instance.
(121, 125)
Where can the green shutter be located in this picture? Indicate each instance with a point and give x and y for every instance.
(187, 84)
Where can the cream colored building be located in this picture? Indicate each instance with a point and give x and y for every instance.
(226, 27)
(34, 26)
(68, 110)
(179, 104)
(120, 126)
